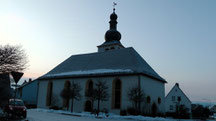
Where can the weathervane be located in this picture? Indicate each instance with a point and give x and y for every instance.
(114, 4)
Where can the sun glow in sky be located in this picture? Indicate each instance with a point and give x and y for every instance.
(177, 38)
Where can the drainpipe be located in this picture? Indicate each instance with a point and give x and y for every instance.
(139, 86)
(38, 82)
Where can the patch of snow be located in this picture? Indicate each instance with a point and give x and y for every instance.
(1, 113)
(60, 115)
(95, 71)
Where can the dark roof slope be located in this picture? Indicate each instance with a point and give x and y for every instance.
(124, 61)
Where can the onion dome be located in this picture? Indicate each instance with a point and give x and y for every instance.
(112, 34)
(113, 16)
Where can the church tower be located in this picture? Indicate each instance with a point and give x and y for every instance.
(112, 36)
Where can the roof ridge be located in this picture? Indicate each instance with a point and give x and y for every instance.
(125, 58)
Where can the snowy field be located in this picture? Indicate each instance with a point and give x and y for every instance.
(51, 115)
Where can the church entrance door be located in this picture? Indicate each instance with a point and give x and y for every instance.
(88, 106)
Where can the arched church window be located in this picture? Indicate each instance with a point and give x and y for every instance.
(89, 85)
(49, 93)
(116, 98)
(89, 88)
(66, 100)
(89, 93)
(148, 99)
(159, 100)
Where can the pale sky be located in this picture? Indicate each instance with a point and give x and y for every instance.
(176, 37)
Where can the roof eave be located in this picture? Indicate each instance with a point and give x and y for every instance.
(99, 75)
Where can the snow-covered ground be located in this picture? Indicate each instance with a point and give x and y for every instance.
(52, 115)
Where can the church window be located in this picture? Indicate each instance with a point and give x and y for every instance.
(171, 107)
(49, 93)
(179, 98)
(66, 101)
(159, 100)
(116, 97)
(112, 48)
(90, 96)
(173, 98)
(106, 49)
(148, 99)
(89, 87)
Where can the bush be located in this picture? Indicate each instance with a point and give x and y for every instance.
(170, 114)
(181, 115)
(132, 111)
(200, 112)
(154, 109)
(123, 112)
(55, 108)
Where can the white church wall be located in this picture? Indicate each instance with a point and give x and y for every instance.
(127, 81)
(58, 85)
(42, 93)
(151, 87)
(109, 48)
(56, 91)
(127, 84)
(155, 89)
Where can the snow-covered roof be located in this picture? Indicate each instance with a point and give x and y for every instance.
(121, 61)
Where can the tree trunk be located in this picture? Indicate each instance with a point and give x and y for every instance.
(139, 93)
(92, 106)
(136, 105)
(67, 103)
(98, 107)
(72, 105)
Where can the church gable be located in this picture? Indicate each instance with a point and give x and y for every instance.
(176, 97)
(176, 94)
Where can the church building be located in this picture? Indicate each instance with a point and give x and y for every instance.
(122, 68)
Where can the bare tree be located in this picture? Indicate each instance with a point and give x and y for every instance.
(12, 58)
(75, 93)
(54, 102)
(136, 96)
(101, 93)
(65, 94)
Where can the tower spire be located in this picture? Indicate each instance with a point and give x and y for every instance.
(114, 4)
(112, 36)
